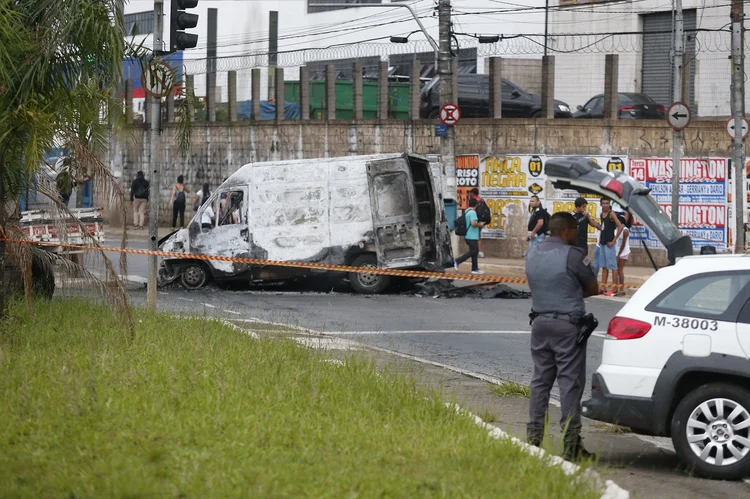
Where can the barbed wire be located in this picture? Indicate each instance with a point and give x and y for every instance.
(705, 41)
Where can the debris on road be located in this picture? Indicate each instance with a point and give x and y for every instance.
(444, 288)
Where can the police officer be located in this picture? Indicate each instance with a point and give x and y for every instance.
(560, 277)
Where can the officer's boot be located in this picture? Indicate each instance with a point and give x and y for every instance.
(573, 449)
(534, 436)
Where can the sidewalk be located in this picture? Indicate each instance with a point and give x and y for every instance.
(508, 267)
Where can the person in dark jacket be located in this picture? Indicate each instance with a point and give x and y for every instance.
(139, 191)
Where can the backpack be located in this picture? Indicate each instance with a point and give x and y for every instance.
(179, 197)
(484, 214)
(460, 226)
(545, 225)
(141, 190)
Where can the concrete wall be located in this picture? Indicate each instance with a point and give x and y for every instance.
(526, 73)
(219, 149)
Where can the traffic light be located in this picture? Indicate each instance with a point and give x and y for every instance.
(180, 21)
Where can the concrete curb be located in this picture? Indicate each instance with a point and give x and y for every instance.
(610, 488)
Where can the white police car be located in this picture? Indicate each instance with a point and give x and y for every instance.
(676, 362)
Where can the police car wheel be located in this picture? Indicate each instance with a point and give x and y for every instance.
(711, 431)
(364, 283)
(194, 276)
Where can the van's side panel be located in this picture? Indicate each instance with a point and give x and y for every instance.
(351, 216)
(309, 211)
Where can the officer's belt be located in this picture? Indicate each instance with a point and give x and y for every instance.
(573, 319)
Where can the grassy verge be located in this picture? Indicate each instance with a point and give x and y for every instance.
(511, 389)
(191, 408)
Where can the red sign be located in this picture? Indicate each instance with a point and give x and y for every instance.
(450, 114)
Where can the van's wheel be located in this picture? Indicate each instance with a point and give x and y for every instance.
(368, 284)
(711, 431)
(194, 276)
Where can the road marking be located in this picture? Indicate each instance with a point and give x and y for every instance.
(599, 334)
(660, 442)
(184, 299)
(232, 312)
(208, 305)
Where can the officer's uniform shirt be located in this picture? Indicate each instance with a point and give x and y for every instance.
(557, 274)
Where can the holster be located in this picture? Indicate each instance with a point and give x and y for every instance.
(587, 324)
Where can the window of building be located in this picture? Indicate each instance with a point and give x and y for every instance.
(139, 23)
(311, 8)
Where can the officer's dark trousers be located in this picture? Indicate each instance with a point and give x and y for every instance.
(556, 355)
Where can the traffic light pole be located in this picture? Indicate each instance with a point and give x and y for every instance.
(154, 181)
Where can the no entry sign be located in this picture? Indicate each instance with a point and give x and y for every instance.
(450, 114)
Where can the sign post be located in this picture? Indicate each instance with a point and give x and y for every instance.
(678, 117)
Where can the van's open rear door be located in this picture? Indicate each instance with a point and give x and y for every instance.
(586, 177)
(394, 210)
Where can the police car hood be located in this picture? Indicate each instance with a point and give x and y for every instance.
(587, 177)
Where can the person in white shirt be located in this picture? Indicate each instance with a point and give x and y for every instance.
(623, 247)
(207, 218)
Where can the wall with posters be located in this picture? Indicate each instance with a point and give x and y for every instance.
(704, 198)
(507, 182)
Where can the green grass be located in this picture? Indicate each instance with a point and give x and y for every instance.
(511, 389)
(190, 408)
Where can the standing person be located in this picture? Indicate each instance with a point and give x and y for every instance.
(623, 248)
(584, 219)
(139, 191)
(538, 222)
(560, 277)
(201, 197)
(484, 214)
(178, 201)
(473, 226)
(605, 257)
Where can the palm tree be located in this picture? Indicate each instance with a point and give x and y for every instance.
(60, 75)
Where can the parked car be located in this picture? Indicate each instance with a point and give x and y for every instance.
(676, 363)
(629, 106)
(474, 99)
(383, 210)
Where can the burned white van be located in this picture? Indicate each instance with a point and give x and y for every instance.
(366, 211)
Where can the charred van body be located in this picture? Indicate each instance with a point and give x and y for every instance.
(367, 211)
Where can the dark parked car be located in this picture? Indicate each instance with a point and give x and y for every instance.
(629, 106)
(474, 99)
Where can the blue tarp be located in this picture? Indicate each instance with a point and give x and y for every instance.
(267, 110)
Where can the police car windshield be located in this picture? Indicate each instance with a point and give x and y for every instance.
(656, 219)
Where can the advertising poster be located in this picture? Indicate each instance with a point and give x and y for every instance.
(704, 208)
(511, 180)
(467, 177)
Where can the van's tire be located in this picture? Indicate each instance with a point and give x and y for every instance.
(42, 279)
(194, 275)
(368, 284)
(720, 432)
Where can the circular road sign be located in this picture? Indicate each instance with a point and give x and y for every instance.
(158, 78)
(678, 116)
(730, 128)
(450, 114)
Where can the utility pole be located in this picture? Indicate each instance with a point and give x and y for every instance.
(738, 112)
(445, 59)
(678, 45)
(546, 26)
(273, 52)
(153, 195)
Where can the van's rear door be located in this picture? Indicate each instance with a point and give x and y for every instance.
(394, 213)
